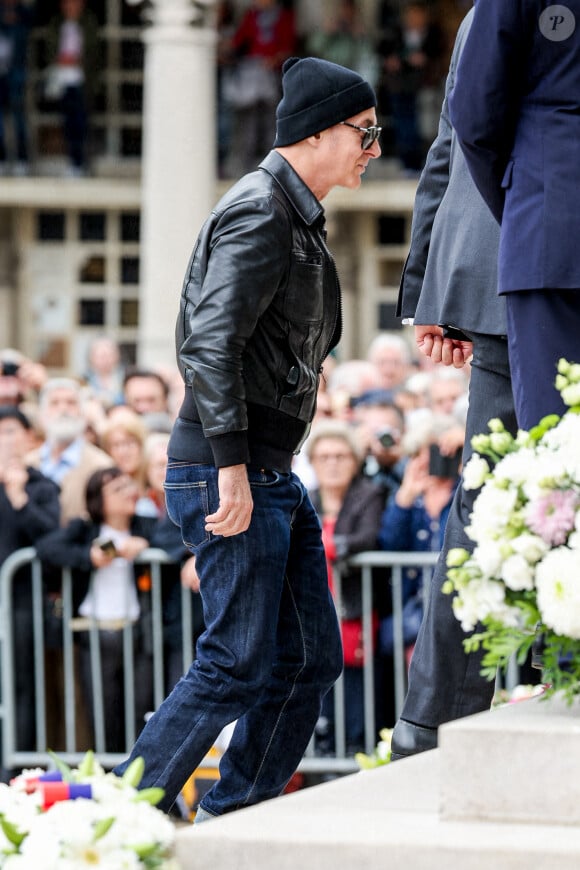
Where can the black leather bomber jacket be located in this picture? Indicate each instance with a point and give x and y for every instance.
(260, 310)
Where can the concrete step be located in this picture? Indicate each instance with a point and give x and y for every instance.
(390, 818)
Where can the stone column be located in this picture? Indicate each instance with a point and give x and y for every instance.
(178, 164)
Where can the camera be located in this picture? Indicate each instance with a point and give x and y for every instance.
(443, 466)
(387, 437)
(9, 369)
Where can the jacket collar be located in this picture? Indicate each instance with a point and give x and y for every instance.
(299, 194)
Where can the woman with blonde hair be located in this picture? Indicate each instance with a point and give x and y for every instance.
(123, 437)
(349, 506)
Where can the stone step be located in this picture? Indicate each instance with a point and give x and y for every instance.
(390, 817)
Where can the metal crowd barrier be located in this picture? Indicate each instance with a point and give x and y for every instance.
(15, 757)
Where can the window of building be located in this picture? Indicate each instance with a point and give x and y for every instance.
(116, 89)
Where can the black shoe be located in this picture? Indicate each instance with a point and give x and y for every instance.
(410, 739)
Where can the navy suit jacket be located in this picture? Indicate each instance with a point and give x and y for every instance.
(516, 110)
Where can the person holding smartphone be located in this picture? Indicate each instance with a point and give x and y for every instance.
(101, 551)
(415, 516)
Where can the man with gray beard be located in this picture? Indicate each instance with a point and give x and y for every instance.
(66, 457)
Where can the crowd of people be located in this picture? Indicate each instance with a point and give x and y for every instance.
(403, 54)
(83, 460)
(73, 57)
(82, 466)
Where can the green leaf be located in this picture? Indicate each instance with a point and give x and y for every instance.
(102, 826)
(150, 795)
(145, 850)
(62, 766)
(87, 765)
(11, 832)
(134, 773)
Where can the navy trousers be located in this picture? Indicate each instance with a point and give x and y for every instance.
(543, 325)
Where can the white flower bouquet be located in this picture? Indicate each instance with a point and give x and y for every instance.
(67, 819)
(523, 577)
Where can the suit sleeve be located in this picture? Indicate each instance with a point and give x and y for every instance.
(430, 191)
(484, 103)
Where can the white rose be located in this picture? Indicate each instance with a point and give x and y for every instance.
(475, 472)
(480, 599)
(517, 573)
(488, 557)
(515, 467)
(531, 547)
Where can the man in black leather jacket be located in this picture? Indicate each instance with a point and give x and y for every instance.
(260, 310)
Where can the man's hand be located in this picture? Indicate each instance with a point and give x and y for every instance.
(15, 478)
(415, 480)
(235, 511)
(189, 576)
(450, 352)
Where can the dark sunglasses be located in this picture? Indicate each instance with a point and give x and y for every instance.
(371, 134)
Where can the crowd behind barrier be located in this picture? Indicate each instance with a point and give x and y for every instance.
(76, 451)
(47, 707)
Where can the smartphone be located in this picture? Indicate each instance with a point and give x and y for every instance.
(107, 546)
(443, 466)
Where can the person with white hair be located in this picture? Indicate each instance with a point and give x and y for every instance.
(392, 357)
(66, 456)
(446, 386)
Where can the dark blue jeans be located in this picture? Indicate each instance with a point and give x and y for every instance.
(270, 651)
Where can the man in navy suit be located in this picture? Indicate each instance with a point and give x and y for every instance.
(516, 111)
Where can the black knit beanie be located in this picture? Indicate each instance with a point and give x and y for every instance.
(318, 94)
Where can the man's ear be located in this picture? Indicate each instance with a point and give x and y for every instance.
(315, 139)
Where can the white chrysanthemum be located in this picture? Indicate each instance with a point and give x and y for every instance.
(64, 835)
(66, 830)
(558, 585)
(517, 573)
(482, 598)
(492, 512)
(138, 823)
(531, 547)
(474, 472)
